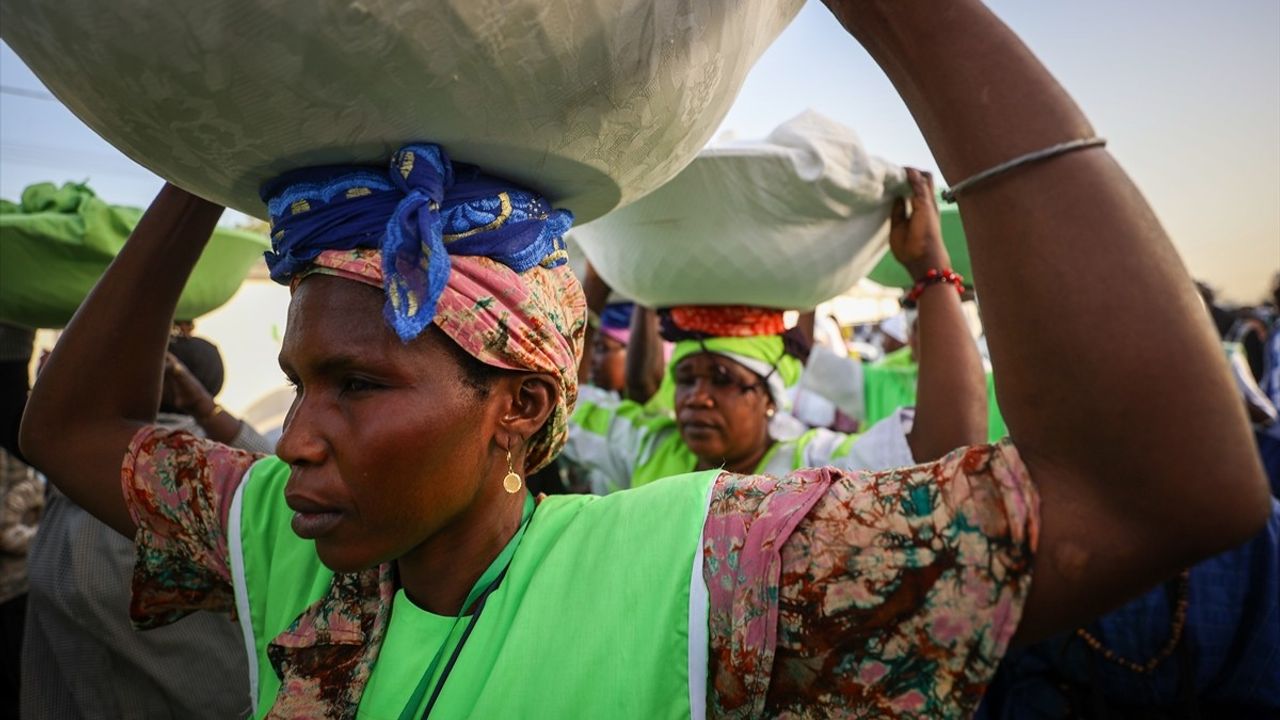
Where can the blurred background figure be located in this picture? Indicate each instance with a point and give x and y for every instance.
(21, 503)
(609, 348)
(829, 394)
(1205, 645)
(895, 332)
(82, 658)
(1269, 436)
(1253, 355)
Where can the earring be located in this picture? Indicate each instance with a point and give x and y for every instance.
(512, 482)
(770, 412)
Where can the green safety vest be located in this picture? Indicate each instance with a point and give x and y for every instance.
(602, 612)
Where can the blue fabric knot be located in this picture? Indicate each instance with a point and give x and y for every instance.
(415, 265)
(417, 213)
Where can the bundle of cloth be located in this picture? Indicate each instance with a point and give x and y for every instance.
(484, 77)
(786, 222)
(56, 241)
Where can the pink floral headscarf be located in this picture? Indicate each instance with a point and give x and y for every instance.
(532, 321)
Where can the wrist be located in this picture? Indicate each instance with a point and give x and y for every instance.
(939, 261)
(207, 412)
(932, 277)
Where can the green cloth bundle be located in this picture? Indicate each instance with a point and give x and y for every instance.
(57, 242)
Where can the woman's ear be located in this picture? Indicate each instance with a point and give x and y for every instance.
(533, 397)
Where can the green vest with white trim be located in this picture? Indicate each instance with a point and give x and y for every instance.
(602, 612)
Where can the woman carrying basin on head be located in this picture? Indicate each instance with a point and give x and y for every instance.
(431, 379)
(731, 375)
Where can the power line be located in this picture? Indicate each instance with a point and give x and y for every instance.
(26, 93)
(77, 161)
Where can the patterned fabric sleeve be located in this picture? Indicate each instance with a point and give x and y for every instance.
(179, 489)
(889, 594)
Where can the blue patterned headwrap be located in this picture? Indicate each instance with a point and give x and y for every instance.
(423, 209)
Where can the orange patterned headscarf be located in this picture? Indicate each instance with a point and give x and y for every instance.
(728, 320)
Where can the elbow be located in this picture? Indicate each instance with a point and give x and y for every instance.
(1249, 513)
(1225, 519)
(47, 423)
(33, 437)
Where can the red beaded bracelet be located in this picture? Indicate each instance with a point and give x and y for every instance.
(935, 277)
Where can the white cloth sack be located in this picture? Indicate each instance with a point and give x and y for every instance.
(787, 222)
(590, 102)
(835, 378)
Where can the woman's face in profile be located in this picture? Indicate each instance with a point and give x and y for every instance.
(387, 442)
(721, 408)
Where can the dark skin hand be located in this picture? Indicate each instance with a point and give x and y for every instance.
(183, 391)
(1128, 498)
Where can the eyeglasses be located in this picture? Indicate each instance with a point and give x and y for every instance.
(720, 380)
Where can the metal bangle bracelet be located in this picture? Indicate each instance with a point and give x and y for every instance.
(949, 195)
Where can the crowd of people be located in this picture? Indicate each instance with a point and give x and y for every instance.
(738, 542)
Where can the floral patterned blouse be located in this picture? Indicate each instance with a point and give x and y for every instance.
(832, 593)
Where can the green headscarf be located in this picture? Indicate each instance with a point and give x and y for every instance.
(764, 355)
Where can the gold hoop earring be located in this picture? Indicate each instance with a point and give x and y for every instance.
(512, 482)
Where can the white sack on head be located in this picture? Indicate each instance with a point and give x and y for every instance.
(787, 222)
(589, 102)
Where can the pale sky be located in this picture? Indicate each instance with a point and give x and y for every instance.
(1186, 91)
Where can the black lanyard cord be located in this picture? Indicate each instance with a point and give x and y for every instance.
(457, 650)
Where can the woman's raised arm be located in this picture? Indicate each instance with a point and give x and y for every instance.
(1115, 390)
(645, 361)
(102, 382)
(951, 395)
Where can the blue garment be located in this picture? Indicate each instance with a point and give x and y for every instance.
(617, 316)
(1268, 438)
(1229, 665)
(420, 211)
(1271, 361)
